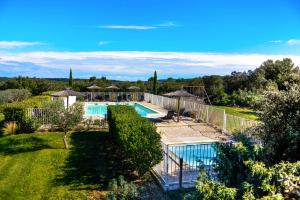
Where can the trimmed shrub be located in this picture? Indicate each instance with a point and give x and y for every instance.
(136, 137)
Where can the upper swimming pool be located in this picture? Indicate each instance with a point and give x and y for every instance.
(100, 109)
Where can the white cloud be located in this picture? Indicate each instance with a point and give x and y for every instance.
(167, 24)
(131, 64)
(128, 27)
(15, 44)
(102, 43)
(288, 42)
(140, 27)
(275, 41)
(293, 42)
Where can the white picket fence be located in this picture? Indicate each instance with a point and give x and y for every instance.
(205, 113)
(38, 113)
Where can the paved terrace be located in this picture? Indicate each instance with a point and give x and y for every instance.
(186, 131)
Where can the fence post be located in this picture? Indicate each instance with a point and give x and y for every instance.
(167, 167)
(180, 172)
(207, 120)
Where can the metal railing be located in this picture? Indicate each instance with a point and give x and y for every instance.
(181, 164)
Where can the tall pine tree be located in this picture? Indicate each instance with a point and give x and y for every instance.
(155, 83)
(70, 78)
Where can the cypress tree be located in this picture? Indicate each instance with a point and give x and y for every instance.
(70, 78)
(155, 83)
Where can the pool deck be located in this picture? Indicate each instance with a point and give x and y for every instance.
(186, 130)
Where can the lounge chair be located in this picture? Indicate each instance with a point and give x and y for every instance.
(129, 98)
(181, 111)
(169, 115)
(166, 118)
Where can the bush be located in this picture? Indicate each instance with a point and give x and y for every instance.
(207, 189)
(10, 128)
(280, 130)
(12, 95)
(120, 189)
(245, 98)
(230, 159)
(33, 102)
(240, 165)
(18, 114)
(136, 137)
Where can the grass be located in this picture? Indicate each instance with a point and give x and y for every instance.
(240, 112)
(36, 166)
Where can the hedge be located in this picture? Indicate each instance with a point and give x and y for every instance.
(18, 114)
(136, 137)
(33, 102)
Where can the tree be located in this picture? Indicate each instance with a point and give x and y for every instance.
(280, 71)
(154, 90)
(70, 78)
(280, 130)
(62, 118)
(92, 79)
(236, 81)
(214, 86)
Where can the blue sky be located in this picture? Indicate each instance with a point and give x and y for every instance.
(129, 39)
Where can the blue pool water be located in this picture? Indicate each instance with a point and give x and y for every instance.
(195, 154)
(101, 109)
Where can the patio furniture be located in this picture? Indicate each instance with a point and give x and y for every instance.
(179, 94)
(167, 117)
(93, 88)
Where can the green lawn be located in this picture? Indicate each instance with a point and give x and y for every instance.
(36, 166)
(240, 112)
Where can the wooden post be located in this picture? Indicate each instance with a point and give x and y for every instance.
(178, 109)
(180, 172)
(207, 119)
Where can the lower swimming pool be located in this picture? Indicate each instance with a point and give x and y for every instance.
(195, 154)
(100, 109)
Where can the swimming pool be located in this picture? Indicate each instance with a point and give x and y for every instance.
(100, 109)
(195, 154)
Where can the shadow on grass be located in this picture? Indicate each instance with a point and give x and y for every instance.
(15, 145)
(93, 161)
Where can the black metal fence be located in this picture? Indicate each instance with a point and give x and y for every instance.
(182, 162)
